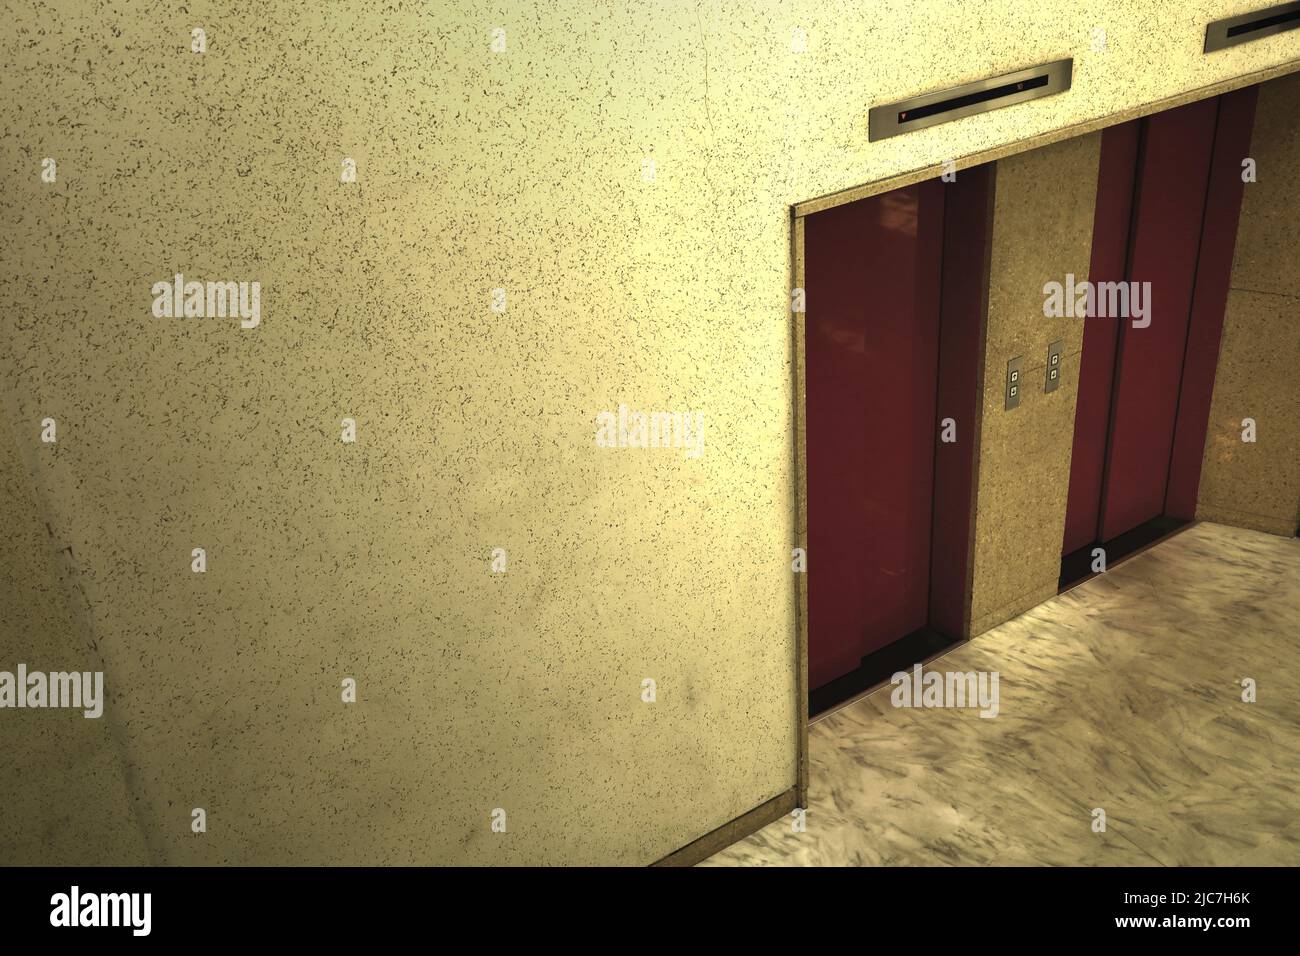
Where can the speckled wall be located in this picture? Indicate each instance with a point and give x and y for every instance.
(64, 799)
(623, 174)
(1256, 484)
(1042, 231)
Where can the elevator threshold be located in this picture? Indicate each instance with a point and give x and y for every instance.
(1077, 566)
(919, 647)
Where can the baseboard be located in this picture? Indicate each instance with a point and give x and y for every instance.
(737, 829)
(1269, 524)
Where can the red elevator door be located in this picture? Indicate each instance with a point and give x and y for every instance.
(1169, 207)
(1169, 192)
(872, 276)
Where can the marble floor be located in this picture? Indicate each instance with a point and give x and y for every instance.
(1124, 694)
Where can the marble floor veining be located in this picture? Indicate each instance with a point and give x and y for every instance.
(1123, 695)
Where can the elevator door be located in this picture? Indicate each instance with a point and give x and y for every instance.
(1169, 192)
(872, 277)
(1170, 203)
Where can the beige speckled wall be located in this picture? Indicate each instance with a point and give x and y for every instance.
(520, 170)
(64, 797)
(1042, 230)
(1257, 485)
